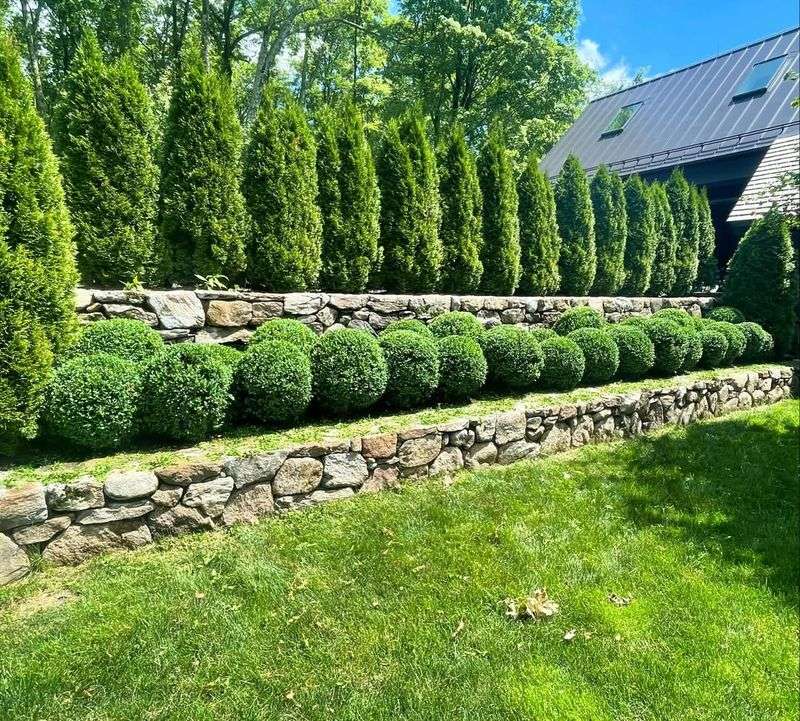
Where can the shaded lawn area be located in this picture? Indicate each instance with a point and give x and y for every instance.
(386, 607)
(45, 462)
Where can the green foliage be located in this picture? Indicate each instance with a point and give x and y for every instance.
(186, 393)
(462, 367)
(273, 382)
(542, 334)
(683, 204)
(413, 363)
(737, 340)
(600, 352)
(124, 338)
(500, 252)
(637, 353)
(202, 217)
(671, 344)
(610, 230)
(636, 321)
(286, 330)
(280, 188)
(105, 134)
(349, 371)
(408, 324)
(662, 276)
(679, 316)
(457, 323)
(694, 350)
(726, 313)
(538, 232)
(707, 266)
(514, 357)
(578, 260)
(581, 316)
(762, 279)
(462, 207)
(564, 364)
(640, 247)
(758, 343)
(92, 402)
(715, 347)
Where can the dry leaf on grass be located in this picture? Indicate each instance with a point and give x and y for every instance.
(619, 600)
(535, 607)
(570, 635)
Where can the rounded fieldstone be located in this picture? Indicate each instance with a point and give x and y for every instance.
(22, 506)
(344, 469)
(296, 476)
(129, 485)
(79, 495)
(420, 451)
(14, 562)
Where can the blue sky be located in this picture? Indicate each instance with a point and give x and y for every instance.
(618, 37)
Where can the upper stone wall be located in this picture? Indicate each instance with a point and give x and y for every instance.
(230, 316)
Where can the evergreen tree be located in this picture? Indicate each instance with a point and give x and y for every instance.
(707, 267)
(280, 189)
(202, 218)
(610, 231)
(662, 277)
(538, 232)
(641, 242)
(578, 260)
(105, 130)
(501, 247)
(462, 206)
(329, 199)
(684, 215)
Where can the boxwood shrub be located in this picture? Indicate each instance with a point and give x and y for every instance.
(636, 321)
(600, 352)
(272, 380)
(677, 315)
(694, 349)
(287, 330)
(186, 393)
(457, 323)
(715, 347)
(408, 324)
(726, 313)
(124, 338)
(413, 364)
(671, 344)
(564, 363)
(581, 316)
(349, 371)
(462, 367)
(737, 341)
(637, 355)
(542, 334)
(758, 342)
(92, 401)
(513, 356)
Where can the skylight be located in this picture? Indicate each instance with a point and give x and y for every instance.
(759, 78)
(622, 118)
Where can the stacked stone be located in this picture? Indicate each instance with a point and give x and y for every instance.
(71, 522)
(230, 316)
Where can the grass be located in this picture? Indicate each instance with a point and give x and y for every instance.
(44, 463)
(386, 607)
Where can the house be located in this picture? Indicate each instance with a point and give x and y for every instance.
(729, 122)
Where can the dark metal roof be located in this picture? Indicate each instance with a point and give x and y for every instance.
(688, 114)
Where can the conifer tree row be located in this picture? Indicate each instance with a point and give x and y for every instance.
(662, 276)
(684, 215)
(610, 229)
(641, 241)
(578, 259)
(708, 269)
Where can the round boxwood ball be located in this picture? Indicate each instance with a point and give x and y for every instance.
(564, 363)
(273, 382)
(637, 355)
(413, 362)
(581, 316)
(92, 401)
(125, 338)
(737, 341)
(186, 393)
(726, 313)
(408, 324)
(462, 367)
(287, 330)
(694, 349)
(457, 323)
(513, 355)
(225, 354)
(349, 371)
(671, 344)
(758, 343)
(542, 334)
(677, 315)
(715, 346)
(636, 321)
(600, 352)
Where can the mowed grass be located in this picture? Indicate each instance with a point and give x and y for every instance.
(388, 606)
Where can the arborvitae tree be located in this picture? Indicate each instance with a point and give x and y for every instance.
(641, 242)
(684, 215)
(202, 218)
(280, 189)
(662, 278)
(501, 248)
(105, 131)
(578, 260)
(329, 199)
(462, 206)
(610, 231)
(762, 278)
(538, 232)
(37, 256)
(707, 267)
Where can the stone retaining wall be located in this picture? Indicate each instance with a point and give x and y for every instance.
(230, 316)
(69, 523)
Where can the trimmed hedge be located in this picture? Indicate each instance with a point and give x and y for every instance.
(462, 367)
(564, 363)
(457, 323)
(288, 331)
(408, 324)
(581, 316)
(677, 315)
(715, 347)
(542, 334)
(600, 353)
(124, 338)
(514, 357)
(726, 313)
(671, 344)
(694, 350)
(637, 354)
(413, 365)
(737, 341)
(758, 343)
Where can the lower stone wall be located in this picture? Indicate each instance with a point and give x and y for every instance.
(231, 316)
(69, 523)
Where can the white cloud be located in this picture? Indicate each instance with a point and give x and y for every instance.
(610, 76)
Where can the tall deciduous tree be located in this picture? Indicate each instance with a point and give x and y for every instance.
(462, 207)
(684, 214)
(641, 243)
(610, 230)
(662, 278)
(280, 187)
(707, 267)
(538, 232)
(578, 259)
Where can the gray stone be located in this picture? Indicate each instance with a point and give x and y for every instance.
(229, 313)
(128, 485)
(297, 476)
(116, 310)
(41, 532)
(317, 450)
(304, 303)
(448, 461)
(80, 543)
(480, 454)
(454, 426)
(510, 426)
(83, 298)
(428, 306)
(209, 496)
(78, 495)
(484, 430)
(177, 521)
(167, 496)
(265, 310)
(210, 334)
(557, 439)
(177, 308)
(254, 469)
(344, 469)
(420, 451)
(22, 506)
(118, 296)
(249, 504)
(305, 500)
(357, 324)
(327, 316)
(382, 478)
(14, 562)
(348, 301)
(114, 512)
(183, 474)
(388, 303)
(462, 439)
(381, 446)
(516, 451)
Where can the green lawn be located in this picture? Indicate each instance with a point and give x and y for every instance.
(386, 607)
